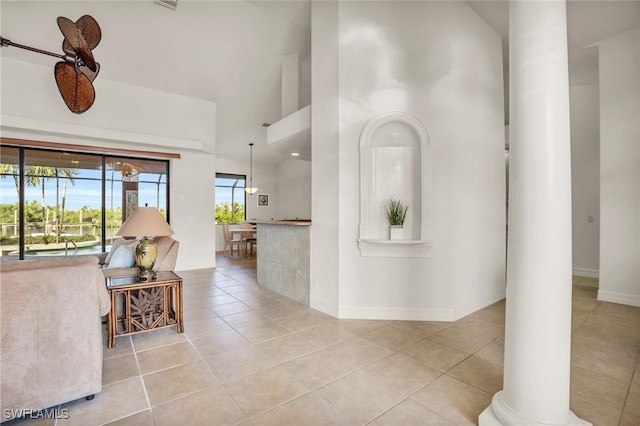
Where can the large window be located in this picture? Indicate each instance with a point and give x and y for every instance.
(230, 198)
(132, 182)
(56, 202)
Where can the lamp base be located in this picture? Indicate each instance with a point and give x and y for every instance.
(146, 275)
(145, 253)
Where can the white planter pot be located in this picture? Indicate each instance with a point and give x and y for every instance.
(396, 233)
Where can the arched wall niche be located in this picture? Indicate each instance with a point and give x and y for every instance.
(394, 163)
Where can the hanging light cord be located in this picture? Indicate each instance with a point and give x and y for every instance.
(251, 166)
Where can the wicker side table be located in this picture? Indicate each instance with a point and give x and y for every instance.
(141, 306)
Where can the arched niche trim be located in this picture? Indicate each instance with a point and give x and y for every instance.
(394, 163)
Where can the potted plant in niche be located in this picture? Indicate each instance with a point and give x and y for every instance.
(396, 212)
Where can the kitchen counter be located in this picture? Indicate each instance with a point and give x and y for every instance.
(283, 257)
(293, 222)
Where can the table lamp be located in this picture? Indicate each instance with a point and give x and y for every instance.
(145, 222)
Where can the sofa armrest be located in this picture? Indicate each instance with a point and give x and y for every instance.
(104, 300)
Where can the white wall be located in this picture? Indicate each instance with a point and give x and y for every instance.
(30, 110)
(441, 63)
(294, 189)
(620, 168)
(193, 210)
(585, 179)
(325, 250)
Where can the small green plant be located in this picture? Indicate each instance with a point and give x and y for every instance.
(396, 212)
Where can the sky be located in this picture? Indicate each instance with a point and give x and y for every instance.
(87, 193)
(83, 193)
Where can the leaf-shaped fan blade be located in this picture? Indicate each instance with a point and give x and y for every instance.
(77, 42)
(89, 29)
(75, 87)
(71, 33)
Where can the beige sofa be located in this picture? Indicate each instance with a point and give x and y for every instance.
(50, 318)
(167, 255)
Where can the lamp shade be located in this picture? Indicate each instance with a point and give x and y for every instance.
(145, 222)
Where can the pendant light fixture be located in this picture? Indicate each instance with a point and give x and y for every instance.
(250, 189)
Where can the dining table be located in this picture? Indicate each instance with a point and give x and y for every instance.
(244, 233)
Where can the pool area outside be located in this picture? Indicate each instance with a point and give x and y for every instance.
(57, 249)
(70, 251)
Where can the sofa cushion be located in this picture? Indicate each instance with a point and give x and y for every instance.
(117, 242)
(123, 256)
(167, 254)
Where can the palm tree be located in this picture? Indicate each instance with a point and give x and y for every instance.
(68, 174)
(38, 175)
(31, 179)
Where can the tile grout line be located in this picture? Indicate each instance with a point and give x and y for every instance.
(221, 383)
(251, 420)
(626, 397)
(144, 386)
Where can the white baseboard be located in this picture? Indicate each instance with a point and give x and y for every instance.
(589, 273)
(410, 314)
(406, 314)
(490, 300)
(324, 307)
(621, 298)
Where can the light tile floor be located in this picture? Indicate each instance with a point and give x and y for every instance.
(250, 357)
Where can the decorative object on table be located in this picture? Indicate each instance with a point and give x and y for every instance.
(122, 255)
(251, 189)
(396, 212)
(263, 200)
(77, 70)
(145, 222)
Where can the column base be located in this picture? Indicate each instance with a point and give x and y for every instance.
(500, 414)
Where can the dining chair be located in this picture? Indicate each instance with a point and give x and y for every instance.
(246, 226)
(250, 244)
(229, 242)
(249, 237)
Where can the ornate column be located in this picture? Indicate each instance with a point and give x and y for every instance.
(538, 315)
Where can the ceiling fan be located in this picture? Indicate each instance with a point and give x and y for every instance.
(78, 68)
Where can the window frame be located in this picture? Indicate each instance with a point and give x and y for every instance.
(102, 157)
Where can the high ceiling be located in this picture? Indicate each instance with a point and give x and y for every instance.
(588, 22)
(230, 52)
